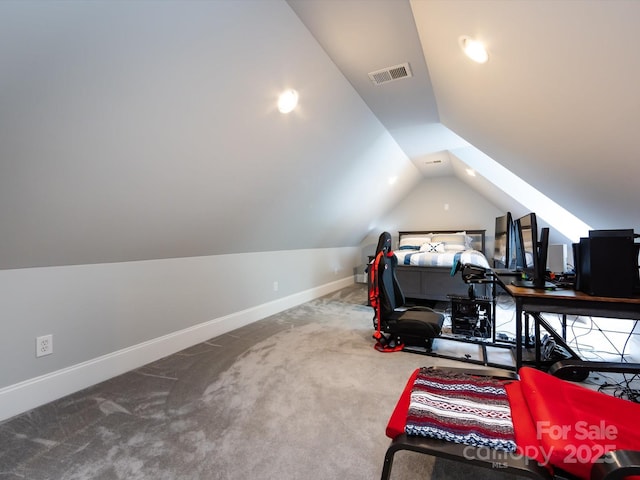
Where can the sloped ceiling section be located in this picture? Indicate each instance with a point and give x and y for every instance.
(145, 130)
(557, 103)
(364, 36)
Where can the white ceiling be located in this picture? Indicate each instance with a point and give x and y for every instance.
(148, 130)
(140, 130)
(557, 103)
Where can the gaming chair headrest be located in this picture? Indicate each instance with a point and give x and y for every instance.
(384, 243)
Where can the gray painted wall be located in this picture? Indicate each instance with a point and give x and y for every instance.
(444, 203)
(141, 154)
(424, 208)
(100, 309)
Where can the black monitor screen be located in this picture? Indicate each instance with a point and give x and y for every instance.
(528, 233)
(503, 250)
(532, 250)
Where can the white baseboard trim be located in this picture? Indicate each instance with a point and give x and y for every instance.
(361, 278)
(21, 397)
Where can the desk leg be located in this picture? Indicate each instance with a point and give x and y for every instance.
(559, 339)
(537, 340)
(518, 334)
(494, 305)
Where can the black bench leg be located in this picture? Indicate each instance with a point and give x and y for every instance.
(388, 463)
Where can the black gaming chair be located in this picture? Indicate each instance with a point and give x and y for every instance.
(395, 324)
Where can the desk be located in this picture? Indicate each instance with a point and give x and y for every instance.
(533, 302)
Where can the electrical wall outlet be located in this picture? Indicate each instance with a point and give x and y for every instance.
(44, 345)
(275, 286)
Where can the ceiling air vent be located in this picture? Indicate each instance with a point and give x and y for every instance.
(390, 74)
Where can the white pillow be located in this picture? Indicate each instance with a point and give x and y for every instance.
(454, 247)
(413, 242)
(437, 247)
(453, 238)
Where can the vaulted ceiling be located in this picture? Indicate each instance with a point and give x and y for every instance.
(556, 104)
(139, 130)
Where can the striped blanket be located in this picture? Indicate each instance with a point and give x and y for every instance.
(461, 408)
(446, 259)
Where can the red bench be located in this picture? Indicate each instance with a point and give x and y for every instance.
(560, 428)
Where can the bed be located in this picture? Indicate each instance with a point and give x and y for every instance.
(425, 260)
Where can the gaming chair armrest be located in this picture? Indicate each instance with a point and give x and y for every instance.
(616, 465)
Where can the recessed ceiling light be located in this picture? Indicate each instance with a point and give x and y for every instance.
(471, 172)
(473, 49)
(287, 101)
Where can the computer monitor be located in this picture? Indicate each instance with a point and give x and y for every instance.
(531, 252)
(526, 241)
(504, 245)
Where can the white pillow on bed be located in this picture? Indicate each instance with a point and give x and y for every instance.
(460, 238)
(413, 243)
(454, 247)
(432, 247)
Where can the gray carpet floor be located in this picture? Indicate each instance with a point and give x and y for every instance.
(299, 395)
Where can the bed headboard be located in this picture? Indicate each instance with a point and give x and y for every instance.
(477, 236)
